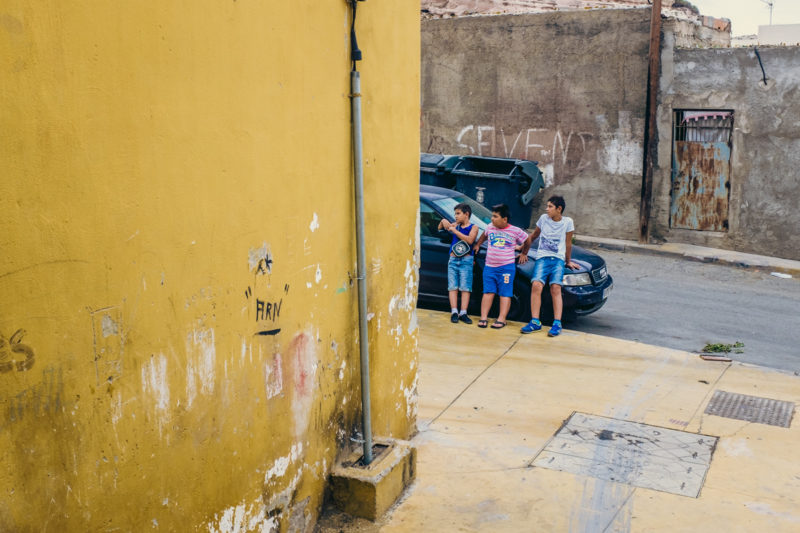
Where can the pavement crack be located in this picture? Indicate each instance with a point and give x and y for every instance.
(704, 401)
(483, 471)
(474, 380)
(619, 509)
(744, 426)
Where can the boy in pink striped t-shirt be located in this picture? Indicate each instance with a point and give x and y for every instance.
(498, 274)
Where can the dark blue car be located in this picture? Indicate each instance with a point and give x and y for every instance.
(584, 291)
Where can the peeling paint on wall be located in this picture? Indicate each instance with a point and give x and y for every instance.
(302, 351)
(279, 495)
(244, 518)
(621, 152)
(116, 408)
(155, 383)
(280, 466)
(405, 301)
(245, 348)
(108, 343)
(108, 326)
(314, 224)
(201, 360)
(412, 398)
(273, 376)
(412, 324)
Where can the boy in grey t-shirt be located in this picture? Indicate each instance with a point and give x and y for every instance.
(553, 254)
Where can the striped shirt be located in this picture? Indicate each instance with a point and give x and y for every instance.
(500, 250)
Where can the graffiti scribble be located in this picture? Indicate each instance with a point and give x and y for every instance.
(260, 260)
(268, 310)
(11, 349)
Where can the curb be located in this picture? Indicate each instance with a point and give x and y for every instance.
(695, 253)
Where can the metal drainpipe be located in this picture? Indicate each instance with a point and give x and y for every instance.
(361, 273)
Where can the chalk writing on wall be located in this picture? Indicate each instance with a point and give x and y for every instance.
(565, 152)
(14, 355)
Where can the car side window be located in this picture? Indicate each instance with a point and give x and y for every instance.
(428, 220)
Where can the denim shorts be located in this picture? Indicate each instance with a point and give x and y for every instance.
(499, 280)
(459, 273)
(548, 269)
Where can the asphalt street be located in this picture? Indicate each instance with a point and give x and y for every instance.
(684, 305)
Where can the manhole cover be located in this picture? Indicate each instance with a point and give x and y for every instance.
(751, 408)
(636, 454)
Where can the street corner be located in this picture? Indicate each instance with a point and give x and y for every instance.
(589, 428)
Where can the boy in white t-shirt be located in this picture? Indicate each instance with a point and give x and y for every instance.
(553, 254)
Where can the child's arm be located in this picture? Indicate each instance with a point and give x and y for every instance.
(523, 248)
(568, 256)
(445, 224)
(469, 239)
(527, 244)
(481, 240)
(473, 234)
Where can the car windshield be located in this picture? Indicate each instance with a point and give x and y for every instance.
(481, 216)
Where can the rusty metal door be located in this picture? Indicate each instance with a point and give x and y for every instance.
(701, 155)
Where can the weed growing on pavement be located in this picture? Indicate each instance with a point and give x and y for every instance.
(719, 347)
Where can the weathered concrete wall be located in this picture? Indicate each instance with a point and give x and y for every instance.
(178, 315)
(702, 32)
(515, 7)
(765, 158)
(566, 89)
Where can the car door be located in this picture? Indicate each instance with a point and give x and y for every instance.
(434, 253)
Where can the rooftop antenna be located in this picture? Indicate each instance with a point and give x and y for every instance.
(769, 3)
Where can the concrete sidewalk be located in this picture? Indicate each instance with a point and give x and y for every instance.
(695, 253)
(491, 403)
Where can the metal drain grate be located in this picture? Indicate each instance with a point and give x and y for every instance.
(751, 408)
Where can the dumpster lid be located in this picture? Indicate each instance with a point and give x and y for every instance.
(499, 168)
(434, 162)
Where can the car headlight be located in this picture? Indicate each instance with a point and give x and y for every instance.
(573, 280)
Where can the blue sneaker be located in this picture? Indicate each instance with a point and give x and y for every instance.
(530, 327)
(555, 330)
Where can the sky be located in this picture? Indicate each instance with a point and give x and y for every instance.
(747, 15)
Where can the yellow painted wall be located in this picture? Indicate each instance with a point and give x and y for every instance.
(164, 167)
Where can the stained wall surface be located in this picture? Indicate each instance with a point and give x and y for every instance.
(765, 146)
(565, 89)
(179, 344)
